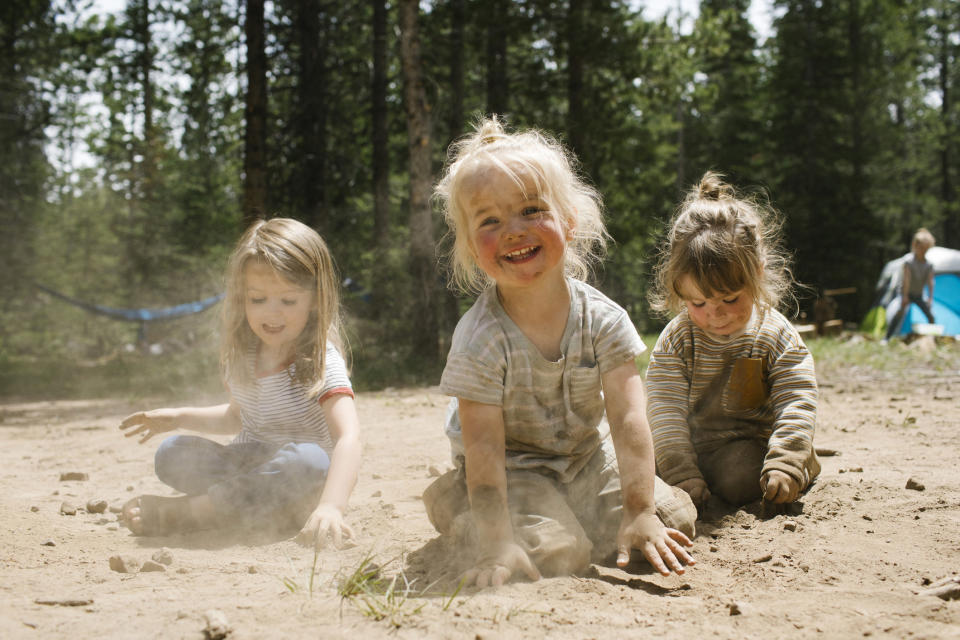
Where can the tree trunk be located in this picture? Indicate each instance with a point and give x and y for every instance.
(311, 115)
(255, 139)
(381, 149)
(425, 298)
(496, 13)
(575, 55)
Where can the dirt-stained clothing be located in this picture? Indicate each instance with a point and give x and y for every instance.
(563, 489)
(705, 393)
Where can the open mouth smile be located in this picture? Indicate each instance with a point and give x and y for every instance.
(521, 255)
(274, 329)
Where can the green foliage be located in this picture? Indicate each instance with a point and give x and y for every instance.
(846, 116)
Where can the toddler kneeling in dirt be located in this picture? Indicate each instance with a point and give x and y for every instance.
(732, 390)
(534, 365)
(295, 459)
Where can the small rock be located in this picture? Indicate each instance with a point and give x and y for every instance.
(152, 565)
(855, 469)
(130, 487)
(64, 602)
(217, 627)
(163, 556)
(714, 548)
(48, 543)
(826, 453)
(914, 485)
(114, 509)
(946, 589)
(96, 506)
(252, 569)
(376, 494)
(735, 608)
(867, 518)
(34, 508)
(124, 564)
(789, 525)
(73, 475)
(764, 558)
(67, 509)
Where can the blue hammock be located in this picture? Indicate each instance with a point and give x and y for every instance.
(138, 315)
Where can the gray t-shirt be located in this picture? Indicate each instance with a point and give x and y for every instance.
(919, 275)
(551, 410)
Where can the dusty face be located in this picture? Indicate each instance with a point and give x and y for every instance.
(514, 236)
(277, 310)
(722, 315)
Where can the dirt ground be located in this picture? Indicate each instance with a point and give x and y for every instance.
(852, 560)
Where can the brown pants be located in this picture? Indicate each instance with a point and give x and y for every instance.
(560, 526)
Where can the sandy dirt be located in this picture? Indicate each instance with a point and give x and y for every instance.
(854, 559)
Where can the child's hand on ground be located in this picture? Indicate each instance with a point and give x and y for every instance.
(326, 520)
(662, 547)
(697, 489)
(150, 423)
(496, 567)
(778, 487)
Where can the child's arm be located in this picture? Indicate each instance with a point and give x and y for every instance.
(905, 286)
(640, 527)
(669, 388)
(328, 517)
(930, 281)
(793, 394)
(484, 445)
(219, 419)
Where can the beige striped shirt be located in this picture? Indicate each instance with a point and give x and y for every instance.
(703, 393)
(551, 410)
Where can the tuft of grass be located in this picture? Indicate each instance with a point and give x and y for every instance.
(377, 597)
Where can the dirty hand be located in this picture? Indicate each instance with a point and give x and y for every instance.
(326, 520)
(697, 488)
(495, 567)
(150, 423)
(661, 546)
(778, 487)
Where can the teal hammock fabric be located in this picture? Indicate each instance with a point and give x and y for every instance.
(138, 315)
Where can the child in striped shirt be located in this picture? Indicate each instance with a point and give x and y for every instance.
(534, 366)
(732, 391)
(295, 458)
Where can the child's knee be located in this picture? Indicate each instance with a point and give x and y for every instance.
(737, 487)
(307, 460)
(167, 461)
(733, 472)
(555, 549)
(675, 508)
(445, 499)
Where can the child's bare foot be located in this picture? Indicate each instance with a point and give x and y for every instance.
(157, 515)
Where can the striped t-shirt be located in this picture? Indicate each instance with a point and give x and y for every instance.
(275, 407)
(703, 392)
(551, 410)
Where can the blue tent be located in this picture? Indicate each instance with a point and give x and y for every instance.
(946, 291)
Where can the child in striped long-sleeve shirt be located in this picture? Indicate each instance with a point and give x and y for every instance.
(732, 390)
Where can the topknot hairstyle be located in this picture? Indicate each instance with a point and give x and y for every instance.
(725, 243)
(298, 254)
(528, 157)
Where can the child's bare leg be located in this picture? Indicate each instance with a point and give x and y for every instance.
(733, 471)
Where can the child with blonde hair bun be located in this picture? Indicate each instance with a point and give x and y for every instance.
(732, 390)
(296, 455)
(533, 368)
